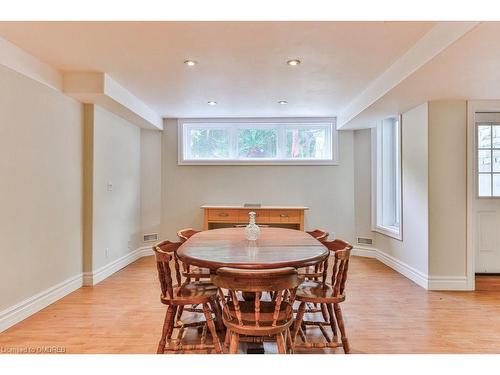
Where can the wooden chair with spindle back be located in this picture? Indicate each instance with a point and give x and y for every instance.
(312, 272)
(328, 296)
(258, 318)
(319, 234)
(181, 295)
(190, 271)
(186, 233)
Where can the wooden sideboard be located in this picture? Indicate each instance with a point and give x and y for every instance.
(274, 216)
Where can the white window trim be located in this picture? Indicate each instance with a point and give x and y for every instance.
(394, 232)
(285, 120)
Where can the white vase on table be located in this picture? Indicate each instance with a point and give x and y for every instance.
(252, 230)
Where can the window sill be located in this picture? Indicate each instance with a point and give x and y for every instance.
(389, 231)
(257, 162)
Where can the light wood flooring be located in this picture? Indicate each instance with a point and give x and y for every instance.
(384, 313)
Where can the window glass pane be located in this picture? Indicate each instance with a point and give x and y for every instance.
(257, 143)
(306, 143)
(496, 185)
(496, 136)
(388, 185)
(484, 136)
(484, 185)
(484, 160)
(209, 143)
(496, 160)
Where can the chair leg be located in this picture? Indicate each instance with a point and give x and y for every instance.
(166, 328)
(227, 339)
(289, 342)
(172, 321)
(324, 312)
(332, 321)
(211, 327)
(233, 347)
(281, 343)
(298, 320)
(180, 310)
(340, 321)
(218, 314)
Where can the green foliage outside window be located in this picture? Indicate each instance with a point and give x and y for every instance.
(209, 143)
(257, 143)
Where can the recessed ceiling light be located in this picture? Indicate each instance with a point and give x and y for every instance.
(211, 102)
(190, 62)
(282, 102)
(293, 62)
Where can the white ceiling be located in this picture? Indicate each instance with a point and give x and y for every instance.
(468, 69)
(241, 65)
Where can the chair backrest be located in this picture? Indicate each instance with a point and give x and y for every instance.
(340, 265)
(283, 282)
(319, 234)
(165, 252)
(339, 271)
(186, 233)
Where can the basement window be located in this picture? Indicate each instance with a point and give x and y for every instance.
(386, 173)
(258, 141)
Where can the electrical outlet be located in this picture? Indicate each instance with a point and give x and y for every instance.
(106, 253)
(109, 186)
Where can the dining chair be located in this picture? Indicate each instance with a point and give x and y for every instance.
(253, 316)
(312, 272)
(183, 296)
(328, 296)
(188, 270)
(319, 234)
(186, 233)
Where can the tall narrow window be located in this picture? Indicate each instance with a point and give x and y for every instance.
(488, 159)
(386, 166)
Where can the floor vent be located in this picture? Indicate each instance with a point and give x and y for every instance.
(150, 237)
(364, 241)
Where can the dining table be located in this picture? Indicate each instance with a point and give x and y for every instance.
(275, 248)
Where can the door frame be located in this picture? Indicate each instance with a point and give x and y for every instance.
(473, 106)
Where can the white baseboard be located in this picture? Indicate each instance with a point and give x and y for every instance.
(404, 269)
(448, 283)
(95, 277)
(418, 277)
(366, 252)
(39, 301)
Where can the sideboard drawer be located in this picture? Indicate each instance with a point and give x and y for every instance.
(262, 216)
(284, 216)
(222, 215)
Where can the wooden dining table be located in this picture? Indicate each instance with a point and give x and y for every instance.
(275, 248)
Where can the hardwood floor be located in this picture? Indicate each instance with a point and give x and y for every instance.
(488, 283)
(384, 313)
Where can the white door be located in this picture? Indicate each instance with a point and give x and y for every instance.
(487, 192)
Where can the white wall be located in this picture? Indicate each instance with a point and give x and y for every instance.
(447, 187)
(151, 181)
(40, 188)
(116, 213)
(362, 183)
(327, 190)
(413, 249)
